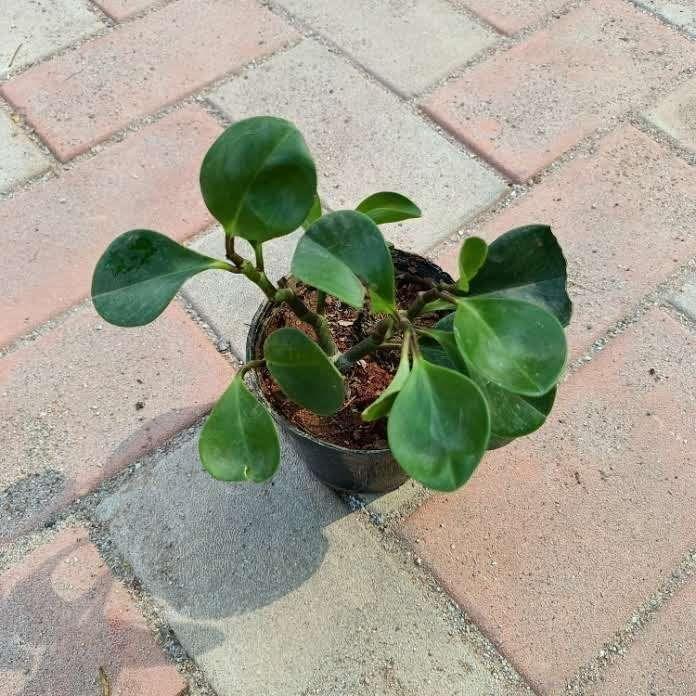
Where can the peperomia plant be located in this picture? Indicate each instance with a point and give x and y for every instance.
(480, 373)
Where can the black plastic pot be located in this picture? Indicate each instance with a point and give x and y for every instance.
(351, 470)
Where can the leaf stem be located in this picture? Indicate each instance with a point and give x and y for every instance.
(299, 308)
(369, 344)
(251, 365)
(258, 253)
(423, 298)
(321, 301)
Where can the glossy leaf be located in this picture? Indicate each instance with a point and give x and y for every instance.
(438, 305)
(239, 441)
(439, 426)
(139, 274)
(339, 253)
(514, 344)
(381, 406)
(314, 213)
(471, 257)
(526, 263)
(386, 206)
(514, 415)
(303, 371)
(448, 344)
(258, 178)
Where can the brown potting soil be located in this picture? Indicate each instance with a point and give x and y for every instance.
(364, 383)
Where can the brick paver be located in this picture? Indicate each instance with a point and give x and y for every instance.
(20, 157)
(122, 9)
(408, 45)
(681, 13)
(662, 661)
(523, 108)
(83, 401)
(510, 16)
(54, 233)
(685, 298)
(360, 150)
(624, 217)
(85, 96)
(297, 573)
(557, 539)
(32, 30)
(676, 115)
(64, 616)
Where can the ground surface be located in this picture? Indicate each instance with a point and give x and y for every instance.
(565, 565)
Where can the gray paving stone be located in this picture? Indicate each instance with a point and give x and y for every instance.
(676, 115)
(228, 302)
(275, 590)
(365, 140)
(685, 299)
(36, 28)
(682, 13)
(20, 157)
(409, 45)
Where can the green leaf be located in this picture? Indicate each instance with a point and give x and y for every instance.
(446, 340)
(303, 371)
(439, 426)
(438, 305)
(513, 415)
(514, 344)
(239, 441)
(139, 274)
(342, 250)
(387, 206)
(381, 406)
(526, 263)
(471, 257)
(314, 213)
(258, 178)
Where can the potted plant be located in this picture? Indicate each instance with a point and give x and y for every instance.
(375, 362)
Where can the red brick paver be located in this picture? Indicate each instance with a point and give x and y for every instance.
(524, 107)
(556, 539)
(509, 16)
(64, 616)
(662, 661)
(54, 233)
(624, 217)
(81, 402)
(122, 9)
(86, 95)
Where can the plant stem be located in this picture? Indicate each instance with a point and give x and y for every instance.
(423, 298)
(258, 253)
(321, 301)
(299, 308)
(251, 365)
(368, 345)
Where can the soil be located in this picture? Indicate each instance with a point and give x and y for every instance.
(367, 380)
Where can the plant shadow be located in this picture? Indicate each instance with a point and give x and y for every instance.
(64, 618)
(210, 549)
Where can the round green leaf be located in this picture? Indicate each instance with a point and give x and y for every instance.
(303, 371)
(386, 206)
(514, 344)
(514, 415)
(438, 426)
(381, 406)
(526, 263)
(239, 441)
(139, 274)
(340, 252)
(258, 178)
(471, 258)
